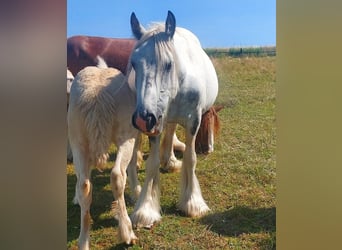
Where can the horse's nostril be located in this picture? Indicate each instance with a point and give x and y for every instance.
(144, 121)
(150, 122)
(144, 113)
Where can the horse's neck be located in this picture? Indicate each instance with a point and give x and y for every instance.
(188, 51)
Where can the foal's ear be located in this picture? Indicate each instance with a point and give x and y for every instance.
(170, 24)
(137, 29)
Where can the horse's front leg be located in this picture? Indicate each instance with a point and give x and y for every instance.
(147, 208)
(191, 200)
(168, 159)
(118, 181)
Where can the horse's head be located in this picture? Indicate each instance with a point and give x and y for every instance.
(153, 62)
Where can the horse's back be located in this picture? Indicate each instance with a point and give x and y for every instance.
(196, 67)
(83, 50)
(77, 55)
(101, 101)
(94, 84)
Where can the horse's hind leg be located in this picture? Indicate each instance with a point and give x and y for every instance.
(177, 144)
(191, 200)
(83, 190)
(118, 180)
(168, 159)
(83, 195)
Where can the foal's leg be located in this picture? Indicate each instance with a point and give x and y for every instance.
(132, 168)
(82, 165)
(168, 159)
(147, 208)
(83, 194)
(118, 180)
(191, 200)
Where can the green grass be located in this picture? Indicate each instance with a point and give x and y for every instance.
(238, 179)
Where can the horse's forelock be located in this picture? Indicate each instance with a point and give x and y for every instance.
(153, 29)
(164, 49)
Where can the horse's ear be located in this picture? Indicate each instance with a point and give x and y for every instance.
(170, 24)
(137, 29)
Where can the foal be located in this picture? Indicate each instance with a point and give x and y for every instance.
(100, 109)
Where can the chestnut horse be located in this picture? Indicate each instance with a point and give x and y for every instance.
(83, 51)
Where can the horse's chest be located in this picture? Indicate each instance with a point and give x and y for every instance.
(184, 106)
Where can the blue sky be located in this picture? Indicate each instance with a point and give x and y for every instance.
(217, 23)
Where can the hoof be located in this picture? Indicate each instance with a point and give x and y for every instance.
(126, 233)
(194, 208)
(145, 219)
(130, 240)
(172, 166)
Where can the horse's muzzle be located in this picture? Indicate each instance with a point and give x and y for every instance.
(145, 122)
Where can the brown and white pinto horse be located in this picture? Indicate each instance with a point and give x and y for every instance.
(83, 50)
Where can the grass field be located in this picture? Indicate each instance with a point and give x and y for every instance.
(238, 179)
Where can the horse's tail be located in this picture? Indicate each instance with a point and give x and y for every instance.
(101, 63)
(98, 123)
(217, 124)
(98, 111)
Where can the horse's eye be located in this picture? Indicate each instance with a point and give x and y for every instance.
(168, 66)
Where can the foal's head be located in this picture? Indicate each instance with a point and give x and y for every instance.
(154, 63)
